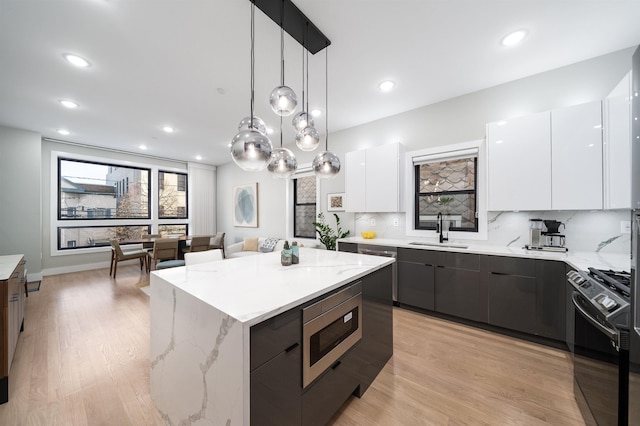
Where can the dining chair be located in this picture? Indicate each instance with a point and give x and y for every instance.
(198, 244)
(218, 242)
(118, 255)
(148, 246)
(202, 257)
(164, 249)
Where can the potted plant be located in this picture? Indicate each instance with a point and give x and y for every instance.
(328, 236)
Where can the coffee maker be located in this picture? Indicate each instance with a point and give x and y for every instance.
(545, 235)
(553, 239)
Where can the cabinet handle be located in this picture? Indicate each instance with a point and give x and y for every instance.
(292, 347)
(336, 364)
(498, 273)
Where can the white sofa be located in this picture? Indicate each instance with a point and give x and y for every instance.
(236, 249)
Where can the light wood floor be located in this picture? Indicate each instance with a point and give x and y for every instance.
(83, 360)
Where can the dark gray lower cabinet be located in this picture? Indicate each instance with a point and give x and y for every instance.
(348, 247)
(276, 374)
(526, 295)
(458, 293)
(277, 396)
(416, 284)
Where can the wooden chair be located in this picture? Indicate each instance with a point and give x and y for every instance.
(218, 242)
(149, 245)
(117, 255)
(198, 244)
(164, 249)
(202, 257)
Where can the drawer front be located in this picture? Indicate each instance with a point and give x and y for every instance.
(510, 265)
(459, 260)
(273, 336)
(426, 257)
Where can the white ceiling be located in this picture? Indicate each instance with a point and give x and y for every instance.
(165, 62)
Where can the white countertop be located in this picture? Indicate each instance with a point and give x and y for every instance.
(254, 288)
(8, 265)
(577, 260)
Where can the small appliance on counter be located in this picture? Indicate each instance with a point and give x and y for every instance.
(545, 235)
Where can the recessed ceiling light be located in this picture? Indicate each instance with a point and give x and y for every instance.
(386, 85)
(143, 147)
(68, 104)
(316, 112)
(76, 60)
(64, 132)
(168, 129)
(198, 157)
(514, 38)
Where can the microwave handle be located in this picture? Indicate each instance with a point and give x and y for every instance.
(609, 332)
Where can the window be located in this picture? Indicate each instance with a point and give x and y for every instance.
(304, 206)
(446, 186)
(172, 195)
(85, 187)
(100, 200)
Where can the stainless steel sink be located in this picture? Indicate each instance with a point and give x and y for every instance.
(458, 246)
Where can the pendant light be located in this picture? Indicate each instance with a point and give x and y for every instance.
(302, 119)
(258, 124)
(326, 164)
(308, 138)
(283, 162)
(250, 148)
(283, 99)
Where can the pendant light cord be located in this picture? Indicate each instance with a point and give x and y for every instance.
(303, 76)
(326, 97)
(282, 44)
(307, 32)
(253, 36)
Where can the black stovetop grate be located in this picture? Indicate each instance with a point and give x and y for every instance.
(618, 281)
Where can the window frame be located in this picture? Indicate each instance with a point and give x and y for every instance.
(448, 152)
(55, 223)
(296, 204)
(161, 187)
(418, 194)
(304, 170)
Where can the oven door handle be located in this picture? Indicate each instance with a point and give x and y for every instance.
(612, 334)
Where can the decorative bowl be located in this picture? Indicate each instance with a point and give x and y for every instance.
(368, 234)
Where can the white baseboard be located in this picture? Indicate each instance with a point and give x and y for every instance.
(73, 268)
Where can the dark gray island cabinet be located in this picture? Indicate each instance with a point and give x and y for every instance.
(277, 394)
(516, 294)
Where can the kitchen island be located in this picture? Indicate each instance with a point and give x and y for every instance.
(202, 318)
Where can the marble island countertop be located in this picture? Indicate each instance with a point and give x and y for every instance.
(577, 260)
(254, 288)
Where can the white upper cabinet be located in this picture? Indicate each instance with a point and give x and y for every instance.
(576, 157)
(355, 181)
(519, 163)
(373, 179)
(617, 146)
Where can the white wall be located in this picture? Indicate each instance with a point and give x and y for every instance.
(20, 197)
(452, 121)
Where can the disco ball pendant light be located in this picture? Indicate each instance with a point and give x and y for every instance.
(283, 162)
(283, 99)
(258, 124)
(250, 148)
(303, 119)
(326, 164)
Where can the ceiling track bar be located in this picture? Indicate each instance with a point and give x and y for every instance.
(295, 23)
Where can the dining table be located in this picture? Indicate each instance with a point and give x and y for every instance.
(182, 242)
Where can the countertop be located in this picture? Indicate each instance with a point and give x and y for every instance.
(8, 265)
(251, 289)
(577, 260)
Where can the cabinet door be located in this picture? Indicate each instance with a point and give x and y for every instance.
(617, 135)
(519, 163)
(273, 336)
(457, 292)
(512, 302)
(275, 389)
(416, 285)
(551, 299)
(355, 181)
(348, 247)
(382, 177)
(576, 157)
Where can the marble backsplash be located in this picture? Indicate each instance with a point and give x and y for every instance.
(585, 231)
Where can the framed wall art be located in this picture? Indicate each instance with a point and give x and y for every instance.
(245, 205)
(335, 202)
